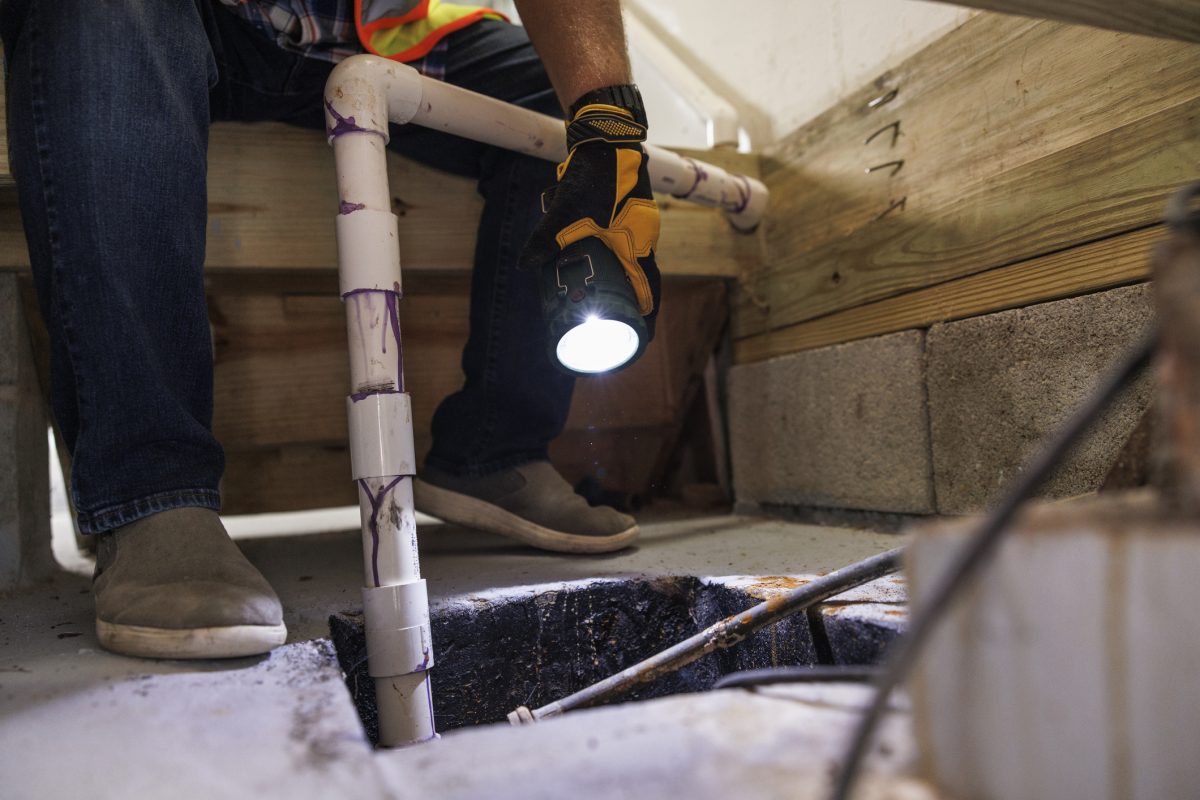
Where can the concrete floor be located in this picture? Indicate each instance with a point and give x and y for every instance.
(75, 720)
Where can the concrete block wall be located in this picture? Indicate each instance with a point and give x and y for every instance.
(25, 554)
(936, 421)
(841, 427)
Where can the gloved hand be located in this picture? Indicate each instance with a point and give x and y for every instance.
(603, 190)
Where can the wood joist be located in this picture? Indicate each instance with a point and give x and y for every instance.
(996, 149)
(281, 379)
(1170, 19)
(272, 202)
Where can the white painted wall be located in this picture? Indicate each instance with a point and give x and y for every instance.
(781, 62)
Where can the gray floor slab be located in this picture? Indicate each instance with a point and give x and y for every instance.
(75, 719)
(773, 743)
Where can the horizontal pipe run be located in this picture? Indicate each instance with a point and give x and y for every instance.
(723, 634)
(351, 108)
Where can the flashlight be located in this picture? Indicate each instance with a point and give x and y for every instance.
(592, 320)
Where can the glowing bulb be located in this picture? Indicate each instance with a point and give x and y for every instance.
(597, 345)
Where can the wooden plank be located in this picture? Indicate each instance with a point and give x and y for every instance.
(290, 478)
(6, 178)
(1091, 267)
(281, 372)
(280, 380)
(1171, 19)
(1007, 154)
(272, 204)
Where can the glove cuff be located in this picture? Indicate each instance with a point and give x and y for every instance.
(624, 96)
(613, 115)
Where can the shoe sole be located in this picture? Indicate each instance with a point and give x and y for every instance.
(471, 512)
(233, 641)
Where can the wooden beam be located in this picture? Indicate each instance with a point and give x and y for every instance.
(1091, 267)
(6, 178)
(1005, 140)
(281, 379)
(272, 201)
(1168, 19)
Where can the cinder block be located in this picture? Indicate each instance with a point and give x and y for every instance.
(999, 384)
(839, 427)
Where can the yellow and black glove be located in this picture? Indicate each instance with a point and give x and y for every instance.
(603, 190)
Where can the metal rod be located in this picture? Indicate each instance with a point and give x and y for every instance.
(723, 634)
(821, 674)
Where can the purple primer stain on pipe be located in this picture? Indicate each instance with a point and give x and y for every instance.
(743, 187)
(393, 301)
(376, 502)
(391, 326)
(343, 124)
(346, 207)
(701, 175)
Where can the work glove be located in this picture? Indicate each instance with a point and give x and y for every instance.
(603, 190)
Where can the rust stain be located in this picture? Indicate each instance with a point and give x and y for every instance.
(767, 587)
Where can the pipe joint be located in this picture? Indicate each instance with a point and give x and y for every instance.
(368, 249)
(364, 93)
(399, 639)
(381, 439)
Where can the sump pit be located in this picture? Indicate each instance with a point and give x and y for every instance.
(531, 645)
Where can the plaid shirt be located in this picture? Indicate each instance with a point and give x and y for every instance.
(321, 29)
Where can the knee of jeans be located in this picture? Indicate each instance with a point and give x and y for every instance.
(95, 34)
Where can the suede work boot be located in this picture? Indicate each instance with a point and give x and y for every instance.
(174, 585)
(530, 503)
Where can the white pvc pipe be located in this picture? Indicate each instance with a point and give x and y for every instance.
(363, 94)
(441, 106)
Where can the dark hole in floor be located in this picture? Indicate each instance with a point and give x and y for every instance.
(532, 645)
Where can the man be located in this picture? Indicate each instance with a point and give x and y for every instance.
(109, 105)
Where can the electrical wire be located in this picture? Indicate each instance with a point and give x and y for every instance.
(820, 674)
(976, 554)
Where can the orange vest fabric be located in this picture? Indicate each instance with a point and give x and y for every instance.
(405, 30)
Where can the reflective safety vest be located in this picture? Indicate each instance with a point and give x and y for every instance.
(405, 30)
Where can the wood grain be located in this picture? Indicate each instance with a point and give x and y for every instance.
(272, 204)
(281, 379)
(1091, 267)
(6, 178)
(1171, 19)
(1018, 138)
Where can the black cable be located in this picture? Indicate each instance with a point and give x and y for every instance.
(820, 674)
(976, 554)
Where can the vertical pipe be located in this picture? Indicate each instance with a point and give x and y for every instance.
(395, 600)
(362, 96)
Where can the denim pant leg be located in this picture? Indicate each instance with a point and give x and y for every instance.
(107, 125)
(513, 401)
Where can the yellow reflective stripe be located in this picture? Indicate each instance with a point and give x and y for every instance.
(396, 40)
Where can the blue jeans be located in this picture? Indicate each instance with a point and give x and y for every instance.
(109, 105)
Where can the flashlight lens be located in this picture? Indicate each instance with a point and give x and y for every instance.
(597, 345)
